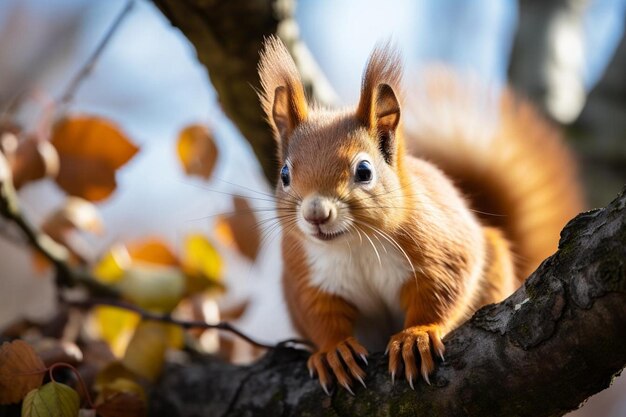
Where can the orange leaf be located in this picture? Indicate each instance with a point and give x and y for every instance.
(90, 179)
(197, 151)
(242, 228)
(91, 149)
(21, 370)
(153, 251)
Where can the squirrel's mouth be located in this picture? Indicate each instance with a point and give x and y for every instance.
(327, 236)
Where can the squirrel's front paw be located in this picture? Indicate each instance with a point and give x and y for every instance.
(401, 348)
(346, 350)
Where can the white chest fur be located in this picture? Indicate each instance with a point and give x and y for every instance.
(370, 281)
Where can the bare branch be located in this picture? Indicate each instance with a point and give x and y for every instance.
(185, 324)
(69, 93)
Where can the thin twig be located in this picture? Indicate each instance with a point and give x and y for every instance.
(185, 324)
(58, 255)
(68, 96)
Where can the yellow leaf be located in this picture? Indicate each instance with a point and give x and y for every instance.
(21, 370)
(120, 385)
(197, 151)
(201, 257)
(112, 374)
(51, 400)
(153, 287)
(145, 354)
(116, 327)
(91, 149)
(111, 267)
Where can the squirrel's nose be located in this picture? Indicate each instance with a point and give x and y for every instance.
(318, 210)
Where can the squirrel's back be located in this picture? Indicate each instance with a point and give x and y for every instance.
(504, 155)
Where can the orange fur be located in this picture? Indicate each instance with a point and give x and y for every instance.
(405, 241)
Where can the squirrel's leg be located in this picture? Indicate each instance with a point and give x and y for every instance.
(325, 319)
(424, 326)
(328, 321)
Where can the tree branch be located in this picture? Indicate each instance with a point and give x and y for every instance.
(231, 55)
(556, 341)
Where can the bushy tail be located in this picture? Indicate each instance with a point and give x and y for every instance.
(510, 162)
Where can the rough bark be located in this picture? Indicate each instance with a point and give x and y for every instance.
(557, 340)
(230, 54)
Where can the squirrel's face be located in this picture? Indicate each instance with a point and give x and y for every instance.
(340, 171)
(336, 183)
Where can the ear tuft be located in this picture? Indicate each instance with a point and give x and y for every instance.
(282, 94)
(381, 82)
(379, 107)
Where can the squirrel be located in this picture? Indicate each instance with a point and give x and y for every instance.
(393, 238)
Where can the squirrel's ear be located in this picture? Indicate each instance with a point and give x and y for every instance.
(282, 94)
(379, 107)
(386, 109)
(287, 113)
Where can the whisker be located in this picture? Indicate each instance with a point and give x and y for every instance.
(373, 247)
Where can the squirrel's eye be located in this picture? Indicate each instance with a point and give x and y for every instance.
(363, 172)
(284, 175)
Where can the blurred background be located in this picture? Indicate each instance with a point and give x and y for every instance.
(567, 56)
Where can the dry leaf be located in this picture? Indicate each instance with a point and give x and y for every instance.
(21, 370)
(51, 400)
(111, 375)
(5, 170)
(32, 160)
(91, 149)
(115, 326)
(197, 151)
(111, 267)
(202, 264)
(153, 250)
(75, 214)
(235, 312)
(145, 354)
(242, 228)
(153, 287)
(122, 404)
(8, 141)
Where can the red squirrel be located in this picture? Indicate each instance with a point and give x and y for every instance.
(380, 245)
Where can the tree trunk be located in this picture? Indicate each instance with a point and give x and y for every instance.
(541, 352)
(228, 36)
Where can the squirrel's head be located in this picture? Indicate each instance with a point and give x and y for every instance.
(341, 171)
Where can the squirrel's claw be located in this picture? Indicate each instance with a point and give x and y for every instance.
(339, 359)
(347, 387)
(401, 350)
